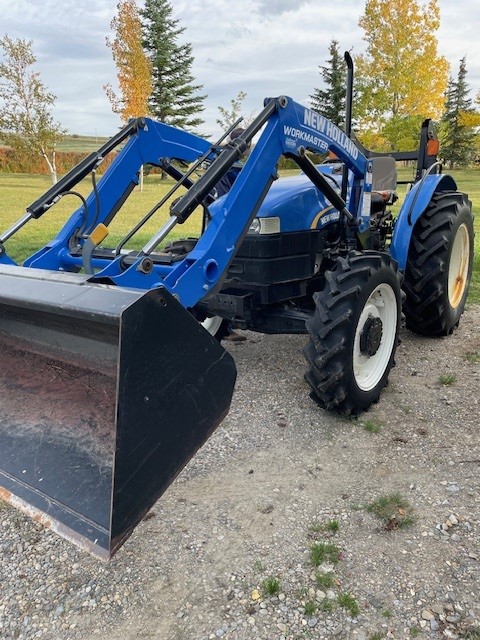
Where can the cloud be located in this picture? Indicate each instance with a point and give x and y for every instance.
(263, 47)
(277, 7)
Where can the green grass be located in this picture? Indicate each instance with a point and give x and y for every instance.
(81, 143)
(326, 605)
(372, 426)
(310, 607)
(447, 379)
(394, 510)
(271, 586)
(17, 191)
(348, 602)
(321, 552)
(325, 580)
(473, 357)
(332, 526)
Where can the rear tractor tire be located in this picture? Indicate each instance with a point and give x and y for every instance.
(439, 265)
(354, 332)
(216, 327)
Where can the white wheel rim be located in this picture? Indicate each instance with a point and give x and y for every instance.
(369, 369)
(212, 324)
(458, 268)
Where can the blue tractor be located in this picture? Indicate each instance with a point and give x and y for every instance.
(110, 379)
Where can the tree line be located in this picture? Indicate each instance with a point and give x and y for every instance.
(400, 79)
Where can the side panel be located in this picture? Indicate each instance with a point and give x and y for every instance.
(414, 205)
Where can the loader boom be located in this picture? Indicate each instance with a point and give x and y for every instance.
(289, 130)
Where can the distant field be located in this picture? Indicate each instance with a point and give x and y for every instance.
(17, 191)
(81, 143)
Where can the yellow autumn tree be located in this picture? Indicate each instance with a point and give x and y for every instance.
(133, 67)
(403, 78)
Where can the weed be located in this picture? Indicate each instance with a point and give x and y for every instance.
(326, 605)
(315, 527)
(473, 357)
(415, 632)
(271, 586)
(321, 552)
(387, 614)
(378, 635)
(332, 526)
(348, 602)
(325, 580)
(447, 379)
(395, 511)
(310, 607)
(258, 566)
(372, 426)
(301, 593)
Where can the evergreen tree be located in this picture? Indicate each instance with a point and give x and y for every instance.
(458, 146)
(330, 101)
(174, 98)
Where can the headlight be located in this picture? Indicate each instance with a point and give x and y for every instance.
(255, 226)
(265, 226)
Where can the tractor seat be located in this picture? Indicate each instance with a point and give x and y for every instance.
(384, 182)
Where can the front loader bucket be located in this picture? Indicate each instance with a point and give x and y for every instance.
(105, 394)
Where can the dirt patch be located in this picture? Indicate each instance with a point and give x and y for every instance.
(270, 484)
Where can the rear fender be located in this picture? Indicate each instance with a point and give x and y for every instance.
(415, 203)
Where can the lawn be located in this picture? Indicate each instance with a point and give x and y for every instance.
(17, 191)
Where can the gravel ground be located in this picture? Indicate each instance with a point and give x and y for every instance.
(227, 551)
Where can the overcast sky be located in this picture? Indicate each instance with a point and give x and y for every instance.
(263, 47)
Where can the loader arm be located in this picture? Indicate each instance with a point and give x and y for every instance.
(289, 129)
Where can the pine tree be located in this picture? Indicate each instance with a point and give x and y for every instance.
(175, 99)
(330, 101)
(458, 148)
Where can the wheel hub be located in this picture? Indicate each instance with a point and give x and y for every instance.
(371, 336)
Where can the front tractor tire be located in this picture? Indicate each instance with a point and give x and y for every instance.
(439, 265)
(354, 332)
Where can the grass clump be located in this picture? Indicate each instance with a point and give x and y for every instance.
(326, 605)
(415, 632)
(332, 527)
(321, 552)
(447, 379)
(378, 635)
(348, 602)
(325, 580)
(372, 426)
(473, 357)
(258, 566)
(394, 510)
(271, 586)
(310, 607)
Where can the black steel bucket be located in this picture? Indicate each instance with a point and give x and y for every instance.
(105, 395)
